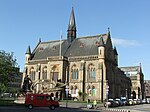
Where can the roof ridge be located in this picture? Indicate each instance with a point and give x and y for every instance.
(92, 36)
(129, 66)
(52, 41)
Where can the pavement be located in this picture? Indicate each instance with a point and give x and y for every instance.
(100, 107)
(79, 105)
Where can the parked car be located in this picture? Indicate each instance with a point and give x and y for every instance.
(110, 103)
(145, 101)
(130, 102)
(148, 100)
(135, 101)
(139, 101)
(120, 103)
(40, 100)
(124, 101)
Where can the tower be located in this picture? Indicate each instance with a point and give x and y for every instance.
(101, 56)
(28, 54)
(71, 35)
(101, 49)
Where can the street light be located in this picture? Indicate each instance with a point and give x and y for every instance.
(126, 94)
(107, 90)
(67, 91)
(131, 96)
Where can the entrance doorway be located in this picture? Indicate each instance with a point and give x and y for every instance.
(134, 95)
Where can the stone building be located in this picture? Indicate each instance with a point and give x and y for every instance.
(137, 79)
(14, 83)
(87, 64)
(147, 88)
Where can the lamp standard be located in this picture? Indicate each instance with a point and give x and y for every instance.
(126, 93)
(67, 91)
(131, 96)
(107, 90)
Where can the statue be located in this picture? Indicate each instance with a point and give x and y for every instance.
(27, 83)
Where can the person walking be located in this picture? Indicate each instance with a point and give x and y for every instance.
(94, 104)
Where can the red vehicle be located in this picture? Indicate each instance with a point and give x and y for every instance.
(40, 100)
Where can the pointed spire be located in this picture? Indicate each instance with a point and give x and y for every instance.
(140, 68)
(115, 51)
(28, 50)
(72, 23)
(101, 43)
(108, 32)
(39, 40)
(71, 35)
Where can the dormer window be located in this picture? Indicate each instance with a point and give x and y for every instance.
(41, 49)
(54, 48)
(81, 45)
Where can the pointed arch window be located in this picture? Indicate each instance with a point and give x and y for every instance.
(91, 72)
(54, 73)
(75, 72)
(32, 74)
(45, 73)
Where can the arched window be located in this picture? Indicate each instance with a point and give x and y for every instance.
(45, 73)
(91, 72)
(75, 72)
(55, 73)
(32, 74)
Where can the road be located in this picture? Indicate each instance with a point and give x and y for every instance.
(138, 108)
(75, 107)
(42, 109)
(134, 108)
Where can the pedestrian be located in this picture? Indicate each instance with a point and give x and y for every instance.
(89, 106)
(94, 104)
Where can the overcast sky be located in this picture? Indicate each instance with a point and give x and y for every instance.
(23, 22)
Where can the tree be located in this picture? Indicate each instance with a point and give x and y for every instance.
(80, 94)
(8, 66)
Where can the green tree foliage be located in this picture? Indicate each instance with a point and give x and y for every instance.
(8, 66)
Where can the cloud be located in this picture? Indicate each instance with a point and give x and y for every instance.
(124, 43)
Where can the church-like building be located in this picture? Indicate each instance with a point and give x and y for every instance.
(88, 65)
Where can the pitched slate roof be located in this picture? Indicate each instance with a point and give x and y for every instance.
(132, 70)
(47, 49)
(83, 46)
(115, 51)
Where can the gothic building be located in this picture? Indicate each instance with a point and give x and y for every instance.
(137, 80)
(87, 64)
(147, 88)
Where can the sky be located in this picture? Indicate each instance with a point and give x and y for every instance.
(24, 22)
